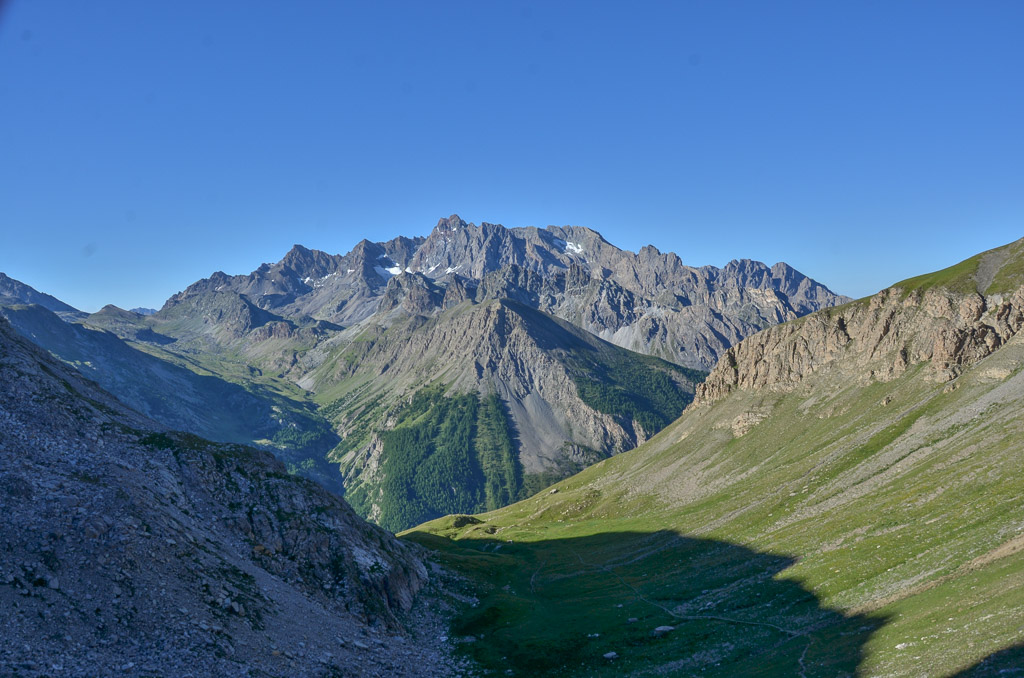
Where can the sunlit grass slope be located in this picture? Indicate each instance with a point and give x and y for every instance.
(837, 529)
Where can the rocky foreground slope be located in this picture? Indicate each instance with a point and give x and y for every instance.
(127, 550)
(843, 499)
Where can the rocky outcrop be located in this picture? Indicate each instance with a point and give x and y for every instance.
(414, 293)
(873, 339)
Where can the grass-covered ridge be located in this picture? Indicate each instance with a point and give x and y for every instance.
(996, 271)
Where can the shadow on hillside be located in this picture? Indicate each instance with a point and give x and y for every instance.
(1008, 662)
(557, 607)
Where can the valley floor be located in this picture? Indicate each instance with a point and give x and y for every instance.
(875, 530)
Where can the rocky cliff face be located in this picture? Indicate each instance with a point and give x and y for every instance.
(129, 549)
(944, 321)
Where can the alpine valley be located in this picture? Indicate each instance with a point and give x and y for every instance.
(426, 376)
(599, 463)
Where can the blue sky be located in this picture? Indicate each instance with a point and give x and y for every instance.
(144, 145)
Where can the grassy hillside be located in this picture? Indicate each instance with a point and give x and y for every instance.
(844, 527)
(996, 271)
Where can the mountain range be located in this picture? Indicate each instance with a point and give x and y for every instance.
(648, 302)
(554, 350)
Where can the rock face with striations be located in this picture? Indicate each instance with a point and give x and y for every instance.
(948, 320)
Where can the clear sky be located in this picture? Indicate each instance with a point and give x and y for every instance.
(144, 145)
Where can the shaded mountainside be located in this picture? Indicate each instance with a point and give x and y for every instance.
(842, 499)
(495, 400)
(162, 386)
(130, 549)
(15, 291)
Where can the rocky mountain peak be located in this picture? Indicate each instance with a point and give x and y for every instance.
(365, 248)
(306, 264)
(452, 223)
(745, 267)
(784, 271)
(414, 293)
(296, 255)
(650, 302)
